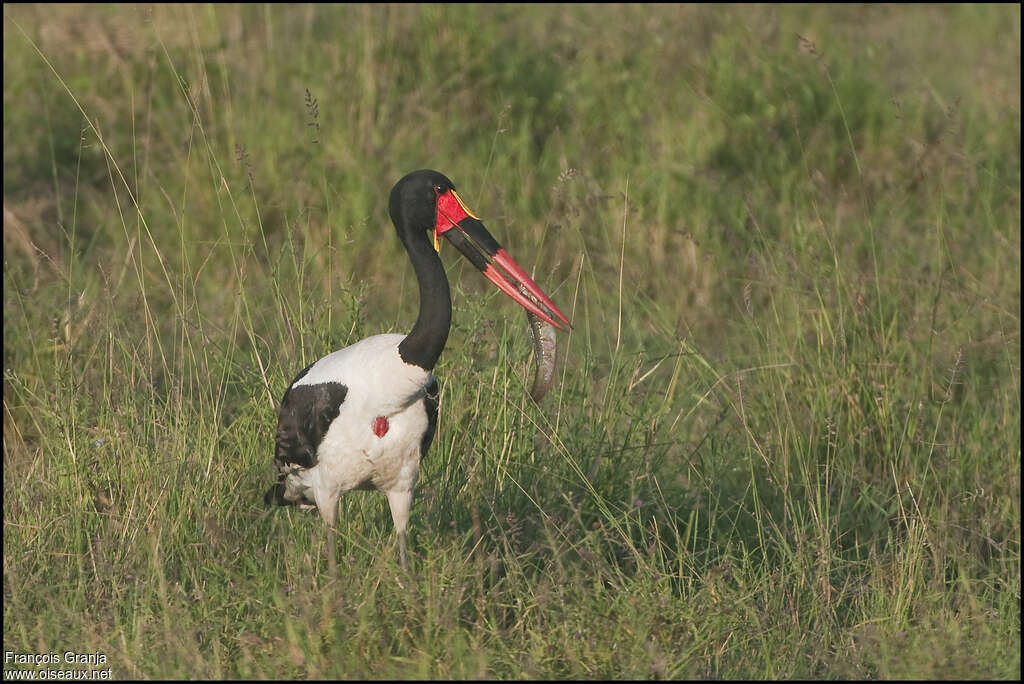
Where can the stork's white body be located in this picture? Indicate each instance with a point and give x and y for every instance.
(379, 384)
(351, 454)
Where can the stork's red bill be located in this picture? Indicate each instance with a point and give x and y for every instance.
(465, 230)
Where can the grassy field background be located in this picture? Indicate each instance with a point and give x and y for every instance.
(784, 440)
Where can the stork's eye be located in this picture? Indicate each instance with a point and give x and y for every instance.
(438, 190)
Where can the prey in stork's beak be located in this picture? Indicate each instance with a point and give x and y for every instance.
(463, 229)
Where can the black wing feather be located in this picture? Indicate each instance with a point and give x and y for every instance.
(430, 401)
(302, 422)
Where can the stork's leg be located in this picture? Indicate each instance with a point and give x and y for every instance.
(401, 502)
(329, 512)
(332, 553)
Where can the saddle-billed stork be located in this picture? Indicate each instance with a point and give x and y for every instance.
(363, 417)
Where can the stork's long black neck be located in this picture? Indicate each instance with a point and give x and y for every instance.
(424, 344)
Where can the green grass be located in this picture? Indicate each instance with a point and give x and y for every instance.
(785, 438)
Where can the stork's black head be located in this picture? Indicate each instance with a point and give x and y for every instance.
(413, 203)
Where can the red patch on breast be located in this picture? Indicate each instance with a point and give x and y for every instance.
(380, 426)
